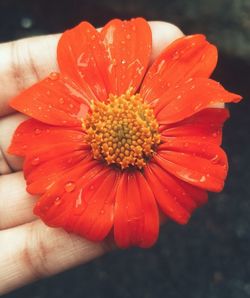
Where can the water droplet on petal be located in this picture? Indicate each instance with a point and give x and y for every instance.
(37, 131)
(54, 76)
(215, 159)
(202, 179)
(61, 100)
(102, 211)
(179, 97)
(176, 55)
(58, 201)
(128, 36)
(35, 161)
(69, 186)
(123, 61)
(197, 107)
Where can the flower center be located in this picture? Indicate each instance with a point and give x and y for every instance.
(122, 131)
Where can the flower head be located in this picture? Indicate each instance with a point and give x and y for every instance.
(111, 140)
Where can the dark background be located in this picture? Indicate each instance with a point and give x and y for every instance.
(210, 257)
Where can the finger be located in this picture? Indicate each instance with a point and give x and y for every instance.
(35, 251)
(23, 63)
(8, 126)
(163, 34)
(16, 205)
(26, 61)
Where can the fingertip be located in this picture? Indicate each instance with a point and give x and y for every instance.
(163, 34)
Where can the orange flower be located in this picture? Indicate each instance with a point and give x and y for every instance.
(109, 143)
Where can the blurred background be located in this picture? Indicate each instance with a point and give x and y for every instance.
(210, 257)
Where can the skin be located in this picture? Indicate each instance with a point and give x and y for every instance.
(29, 249)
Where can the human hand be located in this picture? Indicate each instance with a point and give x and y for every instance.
(29, 249)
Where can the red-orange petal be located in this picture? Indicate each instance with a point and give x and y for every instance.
(190, 98)
(80, 55)
(201, 164)
(169, 195)
(56, 100)
(200, 196)
(206, 125)
(41, 174)
(136, 219)
(127, 49)
(85, 209)
(187, 57)
(31, 135)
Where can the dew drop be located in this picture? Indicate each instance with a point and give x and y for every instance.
(78, 202)
(61, 100)
(123, 61)
(37, 131)
(189, 80)
(71, 105)
(176, 55)
(69, 186)
(54, 76)
(35, 161)
(179, 97)
(215, 159)
(93, 37)
(128, 36)
(202, 179)
(102, 211)
(58, 201)
(198, 107)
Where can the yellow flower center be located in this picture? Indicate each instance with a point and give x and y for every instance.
(122, 131)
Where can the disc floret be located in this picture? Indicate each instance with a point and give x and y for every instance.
(122, 131)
